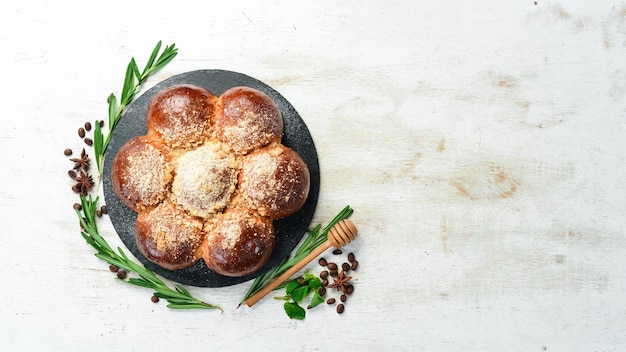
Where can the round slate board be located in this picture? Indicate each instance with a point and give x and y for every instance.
(289, 231)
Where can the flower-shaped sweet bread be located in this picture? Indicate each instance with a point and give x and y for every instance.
(209, 178)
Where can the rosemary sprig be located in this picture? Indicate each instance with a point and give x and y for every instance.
(178, 298)
(132, 80)
(315, 237)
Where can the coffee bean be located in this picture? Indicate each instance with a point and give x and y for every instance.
(345, 267)
(324, 283)
(121, 274)
(337, 251)
(322, 262)
(321, 291)
(343, 298)
(334, 273)
(332, 266)
(88, 141)
(300, 280)
(104, 209)
(113, 268)
(355, 265)
(349, 289)
(78, 207)
(351, 257)
(87, 126)
(72, 173)
(67, 152)
(340, 308)
(101, 123)
(81, 132)
(324, 275)
(99, 213)
(331, 301)
(154, 299)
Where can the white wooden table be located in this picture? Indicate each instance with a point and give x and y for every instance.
(481, 145)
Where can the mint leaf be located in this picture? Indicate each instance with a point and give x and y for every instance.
(317, 299)
(308, 276)
(315, 283)
(299, 293)
(294, 311)
(291, 285)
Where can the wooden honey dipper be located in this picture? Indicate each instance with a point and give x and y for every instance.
(339, 235)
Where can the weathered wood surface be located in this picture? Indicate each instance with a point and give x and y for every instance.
(481, 145)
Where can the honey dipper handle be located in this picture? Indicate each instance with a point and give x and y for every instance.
(287, 274)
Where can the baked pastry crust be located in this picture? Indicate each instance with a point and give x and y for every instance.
(142, 173)
(247, 119)
(209, 178)
(274, 181)
(180, 115)
(238, 242)
(205, 180)
(169, 236)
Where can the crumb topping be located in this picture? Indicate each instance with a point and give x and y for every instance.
(248, 133)
(248, 121)
(205, 179)
(173, 231)
(181, 116)
(184, 131)
(271, 181)
(259, 179)
(230, 231)
(148, 175)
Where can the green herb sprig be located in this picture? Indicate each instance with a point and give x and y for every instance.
(132, 80)
(178, 298)
(314, 238)
(295, 292)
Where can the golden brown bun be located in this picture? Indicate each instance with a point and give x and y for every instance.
(238, 242)
(275, 181)
(180, 115)
(141, 173)
(168, 236)
(247, 119)
(205, 180)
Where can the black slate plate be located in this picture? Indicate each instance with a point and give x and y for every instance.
(289, 231)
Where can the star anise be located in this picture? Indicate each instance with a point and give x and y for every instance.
(82, 162)
(85, 183)
(342, 282)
